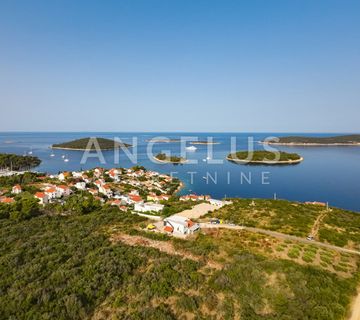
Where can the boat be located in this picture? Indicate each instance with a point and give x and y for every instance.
(52, 154)
(66, 159)
(30, 152)
(208, 158)
(191, 148)
(204, 160)
(63, 156)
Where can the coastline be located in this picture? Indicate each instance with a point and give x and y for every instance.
(92, 149)
(289, 162)
(309, 144)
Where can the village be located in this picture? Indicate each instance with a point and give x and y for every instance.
(135, 190)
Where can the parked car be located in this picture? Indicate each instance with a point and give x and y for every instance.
(310, 237)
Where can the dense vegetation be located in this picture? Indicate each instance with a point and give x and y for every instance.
(66, 268)
(263, 156)
(344, 139)
(172, 159)
(341, 228)
(81, 144)
(22, 179)
(16, 162)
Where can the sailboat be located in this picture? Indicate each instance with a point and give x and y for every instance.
(63, 156)
(30, 152)
(66, 159)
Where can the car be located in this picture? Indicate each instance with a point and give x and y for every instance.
(215, 221)
(310, 237)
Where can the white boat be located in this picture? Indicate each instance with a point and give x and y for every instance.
(208, 158)
(30, 152)
(66, 159)
(63, 156)
(191, 148)
(52, 154)
(204, 160)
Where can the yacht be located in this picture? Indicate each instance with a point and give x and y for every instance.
(191, 148)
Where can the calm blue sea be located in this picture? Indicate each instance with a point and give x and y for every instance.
(327, 174)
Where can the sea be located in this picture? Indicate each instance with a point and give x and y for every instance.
(327, 174)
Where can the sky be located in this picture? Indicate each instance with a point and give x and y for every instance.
(180, 65)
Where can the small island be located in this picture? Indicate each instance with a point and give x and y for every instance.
(162, 157)
(15, 162)
(81, 144)
(264, 157)
(343, 140)
(204, 142)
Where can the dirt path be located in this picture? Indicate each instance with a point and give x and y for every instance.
(163, 246)
(280, 235)
(198, 210)
(316, 226)
(355, 313)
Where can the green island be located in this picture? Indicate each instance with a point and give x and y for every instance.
(81, 144)
(345, 140)
(162, 157)
(97, 262)
(264, 157)
(17, 163)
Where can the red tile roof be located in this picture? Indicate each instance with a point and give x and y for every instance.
(168, 229)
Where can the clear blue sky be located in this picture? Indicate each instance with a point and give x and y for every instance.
(187, 65)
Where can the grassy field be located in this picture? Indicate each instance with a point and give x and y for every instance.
(282, 216)
(67, 268)
(338, 227)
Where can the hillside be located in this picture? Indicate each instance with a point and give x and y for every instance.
(81, 144)
(343, 139)
(101, 265)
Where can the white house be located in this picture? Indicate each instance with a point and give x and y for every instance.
(51, 193)
(42, 197)
(16, 189)
(63, 191)
(63, 175)
(181, 225)
(106, 190)
(148, 206)
(80, 185)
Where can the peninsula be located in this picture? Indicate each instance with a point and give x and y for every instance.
(16, 162)
(264, 157)
(343, 140)
(81, 144)
(162, 157)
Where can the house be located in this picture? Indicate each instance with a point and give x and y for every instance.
(99, 183)
(194, 197)
(42, 197)
(7, 200)
(116, 202)
(63, 191)
(80, 185)
(154, 197)
(63, 175)
(106, 190)
(86, 178)
(148, 206)
(51, 193)
(114, 174)
(135, 199)
(76, 174)
(16, 189)
(98, 172)
(181, 224)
